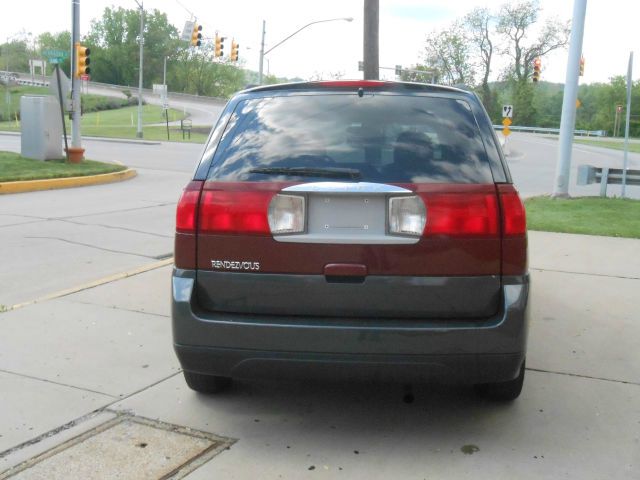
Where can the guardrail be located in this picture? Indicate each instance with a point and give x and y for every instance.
(32, 83)
(588, 174)
(25, 79)
(586, 133)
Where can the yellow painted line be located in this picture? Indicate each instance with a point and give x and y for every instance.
(69, 182)
(95, 283)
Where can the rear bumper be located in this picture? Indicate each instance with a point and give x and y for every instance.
(450, 351)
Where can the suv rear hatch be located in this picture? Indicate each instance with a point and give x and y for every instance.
(350, 204)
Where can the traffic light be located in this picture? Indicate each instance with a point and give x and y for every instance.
(537, 63)
(196, 36)
(219, 46)
(82, 60)
(581, 66)
(234, 51)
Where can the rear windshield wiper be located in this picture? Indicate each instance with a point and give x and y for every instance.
(326, 172)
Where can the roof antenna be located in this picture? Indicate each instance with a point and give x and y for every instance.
(360, 92)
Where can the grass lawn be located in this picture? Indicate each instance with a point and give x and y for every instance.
(123, 123)
(15, 92)
(612, 217)
(115, 123)
(614, 144)
(155, 133)
(128, 116)
(13, 167)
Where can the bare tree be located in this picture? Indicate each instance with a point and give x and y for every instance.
(448, 52)
(514, 24)
(479, 24)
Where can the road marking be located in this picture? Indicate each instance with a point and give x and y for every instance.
(95, 283)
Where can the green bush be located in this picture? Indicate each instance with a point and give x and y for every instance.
(98, 103)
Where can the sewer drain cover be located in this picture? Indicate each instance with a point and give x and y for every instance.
(127, 447)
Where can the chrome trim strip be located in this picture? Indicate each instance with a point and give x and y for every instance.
(346, 187)
(347, 239)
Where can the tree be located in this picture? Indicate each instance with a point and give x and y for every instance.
(194, 71)
(56, 41)
(416, 75)
(15, 55)
(479, 27)
(447, 51)
(514, 24)
(115, 50)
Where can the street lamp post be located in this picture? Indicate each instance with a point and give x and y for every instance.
(263, 52)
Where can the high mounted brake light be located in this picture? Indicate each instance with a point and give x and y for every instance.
(354, 83)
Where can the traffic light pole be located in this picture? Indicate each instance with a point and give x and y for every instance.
(626, 127)
(76, 136)
(139, 131)
(568, 120)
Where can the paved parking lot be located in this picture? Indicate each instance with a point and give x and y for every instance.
(71, 363)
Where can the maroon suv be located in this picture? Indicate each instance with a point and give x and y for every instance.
(352, 229)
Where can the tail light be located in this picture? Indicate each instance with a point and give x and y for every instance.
(407, 216)
(186, 213)
(513, 214)
(186, 225)
(287, 214)
(232, 212)
(514, 228)
(466, 214)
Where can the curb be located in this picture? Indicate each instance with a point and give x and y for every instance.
(69, 182)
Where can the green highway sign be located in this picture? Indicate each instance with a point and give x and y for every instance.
(56, 56)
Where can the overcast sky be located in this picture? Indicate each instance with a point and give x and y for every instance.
(335, 47)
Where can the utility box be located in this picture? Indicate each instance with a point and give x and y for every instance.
(41, 127)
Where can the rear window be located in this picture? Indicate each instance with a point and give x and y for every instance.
(374, 138)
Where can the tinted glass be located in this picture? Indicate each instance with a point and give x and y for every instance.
(374, 138)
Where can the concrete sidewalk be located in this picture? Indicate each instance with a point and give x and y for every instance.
(70, 364)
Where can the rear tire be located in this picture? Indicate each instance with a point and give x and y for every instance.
(503, 391)
(206, 383)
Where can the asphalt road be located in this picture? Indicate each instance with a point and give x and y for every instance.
(53, 240)
(532, 160)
